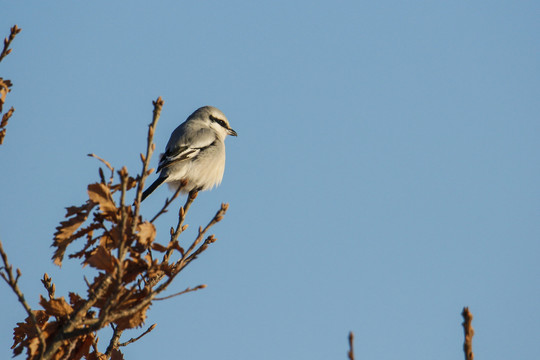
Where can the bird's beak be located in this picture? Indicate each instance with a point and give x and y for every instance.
(232, 132)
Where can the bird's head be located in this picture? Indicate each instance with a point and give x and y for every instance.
(215, 119)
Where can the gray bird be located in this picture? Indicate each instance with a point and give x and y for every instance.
(195, 153)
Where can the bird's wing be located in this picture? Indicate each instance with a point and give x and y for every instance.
(186, 144)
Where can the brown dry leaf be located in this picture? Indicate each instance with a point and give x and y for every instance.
(101, 259)
(2, 135)
(96, 356)
(33, 346)
(132, 269)
(117, 355)
(132, 321)
(56, 307)
(75, 300)
(50, 328)
(90, 240)
(166, 268)
(21, 331)
(4, 89)
(87, 231)
(131, 183)
(146, 233)
(107, 241)
(17, 349)
(26, 330)
(64, 233)
(158, 247)
(97, 281)
(149, 261)
(83, 347)
(6, 117)
(101, 194)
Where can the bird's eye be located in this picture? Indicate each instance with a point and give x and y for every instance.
(219, 121)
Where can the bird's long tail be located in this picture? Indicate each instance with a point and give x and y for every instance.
(152, 187)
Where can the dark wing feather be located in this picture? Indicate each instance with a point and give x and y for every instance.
(179, 154)
(182, 147)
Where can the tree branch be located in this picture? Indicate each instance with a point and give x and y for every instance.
(132, 340)
(351, 347)
(7, 41)
(166, 205)
(182, 292)
(113, 344)
(6, 272)
(150, 146)
(469, 333)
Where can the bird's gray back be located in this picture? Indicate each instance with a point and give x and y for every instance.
(191, 134)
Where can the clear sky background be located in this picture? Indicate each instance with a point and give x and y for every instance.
(385, 175)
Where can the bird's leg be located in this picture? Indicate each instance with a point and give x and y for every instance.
(193, 194)
(183, 183)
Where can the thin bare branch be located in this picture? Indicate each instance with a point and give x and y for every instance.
(7, 41)
(70, 350)
(49, 286)
(150, 146)
(351, 346)
(181, 218)
(4, 121)
(132, 340)
(469, 333)
(187, 258)
(166, 205)
(182, 292)
(7, 274)
(113, 344)
(123, 236)
(107, 164)
(5, 85)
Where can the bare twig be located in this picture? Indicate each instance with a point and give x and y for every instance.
(150, 146)
(7, 41)
(182, 292)
(5, 117)
(186, 257)
(71, 349)
(181, 217)
(113, 344)
(49, 286)
(469, 333)
(123, 236)
(6, 272)
(351, 347)
(5, 85)
(94, 344)
(107, 164)
(132, 340)
(166, 205)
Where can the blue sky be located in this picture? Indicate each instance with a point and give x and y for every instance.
(385, 174)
